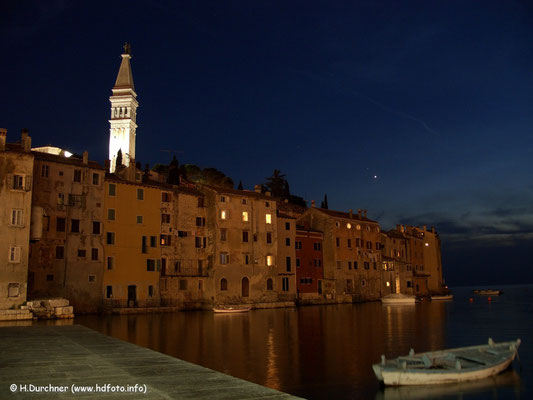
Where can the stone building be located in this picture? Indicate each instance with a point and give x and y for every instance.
(351, 252)
(242, 247)
(309, 263)
(66, 238)
(397, 271)
(286, 265)
(432, 259)
(16, 173)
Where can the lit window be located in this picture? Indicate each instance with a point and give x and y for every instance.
(358, 227)
(268, 218)
(349, 226)
(388, 284)
(245, 216)
(270, 260)
(426, 244)
(223, 214)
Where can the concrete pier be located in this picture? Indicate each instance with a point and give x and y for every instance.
(44, 362)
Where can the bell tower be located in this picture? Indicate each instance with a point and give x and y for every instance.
(123, 114)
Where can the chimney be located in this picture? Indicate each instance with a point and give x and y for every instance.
(25, 140)
(257, 188)
(403, 228)
(364, 211)
(351, 213)
(107, 164)
(312, 204)
(359, 213)
(3, 135)
(86, 157)
(425, 228)
(432, 229)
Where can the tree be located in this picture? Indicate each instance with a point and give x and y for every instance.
(324, 203)
(277, 184)
(240, 186)
(119, 161)
(173, 177)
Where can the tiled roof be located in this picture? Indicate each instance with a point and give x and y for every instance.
(287, 216)
(65, 160)
(244, 193)
(341, 214)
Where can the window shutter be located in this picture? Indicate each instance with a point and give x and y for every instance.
(10, 181)
(27, 183)
(159, 264)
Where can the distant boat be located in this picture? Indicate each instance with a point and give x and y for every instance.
(229, 309)
(488, 292)
(442, 297)
(447, 366)
(398, 298)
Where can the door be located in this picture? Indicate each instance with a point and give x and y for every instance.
(245, 287)
(132, 295)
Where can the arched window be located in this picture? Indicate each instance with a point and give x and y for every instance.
(270, 284)
(223, 284)
(245, 287)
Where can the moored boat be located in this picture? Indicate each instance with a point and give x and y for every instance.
(488, 292)
(398, 298)
(231, 309)
(447, 366)
(442, 297)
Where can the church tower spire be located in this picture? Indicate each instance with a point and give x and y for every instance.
(123, 114)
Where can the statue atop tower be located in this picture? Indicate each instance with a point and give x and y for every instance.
(124, 105)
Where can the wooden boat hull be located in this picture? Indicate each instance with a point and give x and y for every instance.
(398, 299)
(485, 361)
(488, 292)
(442, 297)
(231, 310)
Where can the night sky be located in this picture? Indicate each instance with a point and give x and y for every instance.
(419, 111)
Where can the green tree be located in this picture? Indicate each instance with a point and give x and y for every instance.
(240, 186)
(119, 161)
(324, 203)
(277, 184)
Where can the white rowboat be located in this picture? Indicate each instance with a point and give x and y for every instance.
(398, 298)
(447, 366)
(230, 310)
(442, 297)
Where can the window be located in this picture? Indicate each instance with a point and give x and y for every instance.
(339, 264)
(46, 223)
(349, 226)
(45, 171)
(223, 214)
(140, 194)
(16, 217)
(75, 225)
(223, 284)
(200, 202)
(13, 290)
(182, 233)
(285, 284)
(153, 241)
(245, 236)
(349, 265)
(110, 238)
(96, 227)
(137, 176)
(165, 218)
(270, 285)
(139, 219)
(355, 265)
(60, 224)
(165, 240)
(375, 265)
(165, 197)
(19, 182)
(318, 262)
(287, 241)
(363, 282)
(144, 246)
(409, 284)
(367, 265)
(246, 258)
(150, 290)
(60, 173)
(110, 214)
(268, 218)
(200, 221)
(112, 191)
(317, 246)
(96, 179)
(222, 199)
(94, 254)
(288, 263)
(60, 252)
(50, 277)
(150, 264)
(199, 242)
(92, 278)
(270, 260)
(369, 245)
(378, 245)
(298, 245)
(110, 262)
(60, 199)
(349, 243)
(297, 262)
(74, 200)
(77, 175)
(306, 281)
(183, 284)
(224, 258)
(267, 204)
(109, 292)
(287, 226)
(244, 201)
(14, 254)
(337, 242)
(223, 234)
(357, 242)
(245, 216)
(269, 237)
(82, 253)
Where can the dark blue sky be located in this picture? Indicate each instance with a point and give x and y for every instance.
(432, 97)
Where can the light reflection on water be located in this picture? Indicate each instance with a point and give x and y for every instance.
(327, 351)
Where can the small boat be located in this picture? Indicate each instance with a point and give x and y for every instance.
(442, 297)
(447, 366)
(488, 292)
(398, 298)
(229, 309)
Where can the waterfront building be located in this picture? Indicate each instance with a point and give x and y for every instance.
(351, 253)
(286, 254)
(309, 263)
(242, 238)
(184, 257)
(396, 270)
(16, 173)
(67, 233)
(432, 258)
